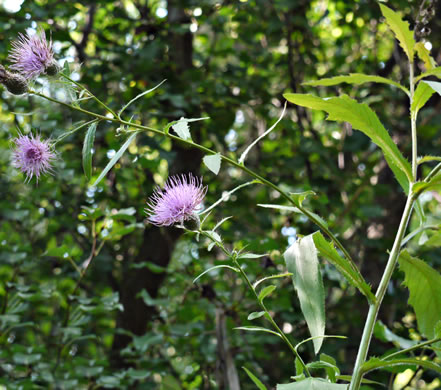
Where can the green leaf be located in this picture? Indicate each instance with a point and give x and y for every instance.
(257, 329)
(422, 94)
(255, 314)
(350, 272)
(301, 260)
(362, 118)
(355, 79)
(433, 72)
(271, 277)
(383, 333)
(265, 292)
(256, 380)
(424, 55)
(299, 197)
(213, 162)
(422, 186)
(376, 363)
(312, 384)
(215, 267)
(424, 284)
(115, 158)
(182, 129)
(401, 30)
(87, 149)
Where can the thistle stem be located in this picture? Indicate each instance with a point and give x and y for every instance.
(313, 218)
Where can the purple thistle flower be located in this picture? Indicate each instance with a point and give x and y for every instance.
(177, 202)
(32, 156)
(33, 55)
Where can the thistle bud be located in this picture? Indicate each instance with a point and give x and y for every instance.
(13, 82)
(53, 68)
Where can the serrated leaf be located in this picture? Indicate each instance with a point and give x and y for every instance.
(216, 267)
(115, 158)
(182, 129)
(301, 260)
(424, 55)
(354, 79)
(87, 149)
(433, 72)
(422, 186)
(401, 30)
(254, 378)
(361, 117)
(423, 93)
(312, 384)
(265, 292)
(213, 162)
(255, 314)
(350, 272)
(424, 284)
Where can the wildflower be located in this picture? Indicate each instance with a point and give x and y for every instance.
(32, 155)
(32, 55)
(177, 202)
(13, 82)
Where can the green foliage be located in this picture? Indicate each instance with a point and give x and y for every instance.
(301, 260)
(351, 273)
(256, 380)
(362, 118)
(424, 284)
(355, 79)
(87, 149)
(401, 30)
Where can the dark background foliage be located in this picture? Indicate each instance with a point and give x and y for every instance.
(138, 321)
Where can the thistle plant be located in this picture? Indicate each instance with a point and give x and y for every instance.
(181, 200)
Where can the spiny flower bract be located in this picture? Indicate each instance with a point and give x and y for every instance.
(32, 155)
(32, 55)
(177, 202)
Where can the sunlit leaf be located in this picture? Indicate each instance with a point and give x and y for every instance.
(401, 30)
(301, 260)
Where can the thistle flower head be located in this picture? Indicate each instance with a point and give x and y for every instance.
(32, 155)
(13, 82)
(177, 202)
(32, 55)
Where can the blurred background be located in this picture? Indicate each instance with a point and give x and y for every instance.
(139, 321)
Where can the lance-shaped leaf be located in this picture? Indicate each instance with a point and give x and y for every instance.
(350, 272)
(254, 378)
(355, 79)
(301, 260)
(422, 94)
(401, 30)
(87, 149)
(361, 117)
(115, 158)
(312, 384)
(424, 284)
